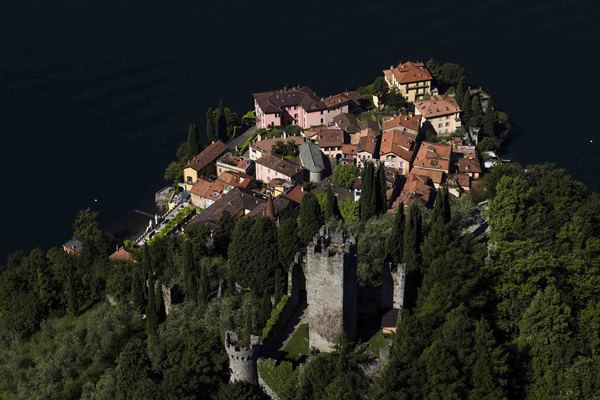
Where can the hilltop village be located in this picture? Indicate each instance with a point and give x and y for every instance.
(366, 245)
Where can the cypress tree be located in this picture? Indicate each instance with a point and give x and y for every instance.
(412, 238)
(137, 289)
(489, 123)
(221, 122)
(310, 218)
(240, 249)
(264, 256)
(193, 145)
(73, 301)
(160, 304)
(476, 111)
(211, 130)
(382, 186)
(395, 241)
(204, 287)
(366, 193)
(461, 89)
(265, 308)
(287, 242)
(151, 316)
(446, 211)
(331, 205)
(247, 329)
(189, 272)
(466, 108)
(278, 289)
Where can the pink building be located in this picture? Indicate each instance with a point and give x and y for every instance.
(299, 106)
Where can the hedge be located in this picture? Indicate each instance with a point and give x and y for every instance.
(181, 217)
(275, 315)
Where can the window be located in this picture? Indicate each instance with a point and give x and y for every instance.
(189, 179)
(447, 123)
(321, 120)
(440, 125)
(321, 112)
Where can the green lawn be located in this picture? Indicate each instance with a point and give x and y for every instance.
(297, 347)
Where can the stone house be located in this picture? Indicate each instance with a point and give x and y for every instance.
(397, 150)
(403, 123)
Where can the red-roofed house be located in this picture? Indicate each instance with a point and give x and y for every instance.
(432, 157)
(203, 164)
(299, 106)
(412, 79)
(205, 193)
(403, 123)
(416, 188)
(397, 150)
(442, 112)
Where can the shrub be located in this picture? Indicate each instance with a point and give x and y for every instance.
(275, 315)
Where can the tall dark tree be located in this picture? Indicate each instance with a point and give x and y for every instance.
(211, 129)
(204, 287)
(222, 233)
(466, 108)
(151, 307)
(247, 327)
(160, 304)
(310, 218)
(193, 141)
(265, 308)
(137, 289)
(73, 299)
(189, 272)
(366, 193)
(331, 206)
(489, 120)
(287, 242)
(412, 238)
(476, 112)
(394, 245)
(241, 249)
(461, 89)
(264, 258)
(382, 189)
(221, 122)
(133, 373)
(278, 289)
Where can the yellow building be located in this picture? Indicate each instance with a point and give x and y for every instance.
(412, 79)
(203, 164)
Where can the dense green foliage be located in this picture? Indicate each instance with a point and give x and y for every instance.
(345, 175)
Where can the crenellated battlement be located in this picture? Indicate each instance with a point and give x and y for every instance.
(242, 359)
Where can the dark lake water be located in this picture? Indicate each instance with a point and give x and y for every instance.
(96, 95)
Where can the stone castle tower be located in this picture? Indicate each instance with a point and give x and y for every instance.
(331, 288)
(242, 360)
(394, 277)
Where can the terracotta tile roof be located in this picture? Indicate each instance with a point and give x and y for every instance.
(235, 201)
(121, 255)
(330, 138)
(349, 149)
(208, 190)
(463, 180)
(465, 151)
(401, 144)
(469, 165)
(296, 194)
(411, 122)
(207, 156)
(367, 144)
(265, 146)
(280, 165)
(436, 177)
(341, 98)
(409, 72)
(347, 122)
(236, 179)
(280, 204)
(437, 106)
(276, 101)
(235, 161)
(434, 156)
(416, 188)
